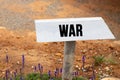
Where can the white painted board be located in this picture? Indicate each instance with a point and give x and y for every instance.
(93, 28)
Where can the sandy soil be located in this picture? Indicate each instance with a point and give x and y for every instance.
(17, 34)
(50, 55)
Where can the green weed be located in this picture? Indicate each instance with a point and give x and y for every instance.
(98, 60)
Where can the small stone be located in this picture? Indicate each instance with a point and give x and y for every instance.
(58, 54)
(59, 60)
(117, 52)
(107, 68)
(18, 62)
(96, 72)
(105, 75)
(11, 72)
(77, 66)
(81, 50)
(111, 66)
(84, 70)
(99, 69)
(78, 59)
(87, 66)
(45, 43)
(3, 72)
(111, 74)
(85, 50)
(32, 67)
(119, 57)
(95, 52)
(54, 70)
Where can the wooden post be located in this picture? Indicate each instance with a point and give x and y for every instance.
(68, 61)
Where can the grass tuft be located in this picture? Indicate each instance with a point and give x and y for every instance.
(98, 60)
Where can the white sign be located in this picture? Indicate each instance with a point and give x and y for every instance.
(71, 29)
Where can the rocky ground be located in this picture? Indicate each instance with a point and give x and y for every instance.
(17, 35)
(50, 55)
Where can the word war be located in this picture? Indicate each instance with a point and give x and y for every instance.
(74, 30)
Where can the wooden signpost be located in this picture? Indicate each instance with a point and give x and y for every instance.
(69, 30)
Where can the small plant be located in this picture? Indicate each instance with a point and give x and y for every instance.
(33, 76)
(7, 58)
(23, 61)
(80, 78)
(110, 61)
(83, 61)
(98, 60)
(36, 76)
(18, 78)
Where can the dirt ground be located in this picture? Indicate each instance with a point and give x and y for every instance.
(17, 35)
(50, 55)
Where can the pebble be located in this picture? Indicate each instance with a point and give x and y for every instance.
(96, 72)
(32, 67)
(111, 66)
(111, 74)
(59, 60)
(58, 54)
(78, 60)
(107, 68)
(95, 52)
(45, 43)
(84, 70)
(119, 57)
(77, 66)
(11, 72)
(88, 66)
(3, 72)
(99, 69)
(101, 72)
(84, 51)
(18, 62)
(107, 75)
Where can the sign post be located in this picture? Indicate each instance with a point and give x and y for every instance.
(69, 48)
(70, 30)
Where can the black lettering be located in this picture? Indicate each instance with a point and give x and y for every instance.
(63, 30)
(79, 31)
(71, 30)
